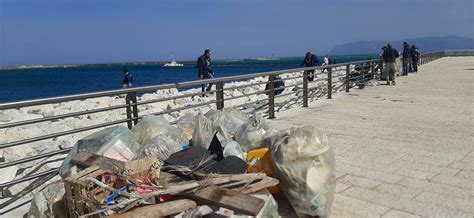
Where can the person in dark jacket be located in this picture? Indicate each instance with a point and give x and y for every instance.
(278, 85)
(415, 58)
(205, 69)
(407, 54)
(127, 79)
(310, 60)
(389, 57)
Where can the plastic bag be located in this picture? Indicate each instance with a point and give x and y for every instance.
(187, 123)
(233, 148)
(160, 147)
(151, 126)
(251, 134)
(230, 118)
(115, 142)
(49, 202)
(305, 166)
(203, 132)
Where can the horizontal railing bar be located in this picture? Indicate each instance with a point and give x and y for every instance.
(26, 122)
(174, 97)
(40, 138)
(244, 86)
(24, 179)
(28, 159)
(53, 100)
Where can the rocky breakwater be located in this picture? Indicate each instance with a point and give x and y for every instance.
(14, 195)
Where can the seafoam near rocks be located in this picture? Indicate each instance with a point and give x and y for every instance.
(28, 189)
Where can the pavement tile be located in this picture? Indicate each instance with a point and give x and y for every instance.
(345, 206)
(461, 203)
(426, 160)
(397, 190)
(399, 214)
(414, 173)
(358, 181)
(463, 165)
(403, 204)
(341, 187)
(454, 181)
(372, 174)
(466, 174)
(434, 187)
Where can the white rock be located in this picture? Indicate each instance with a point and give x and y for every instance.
(8, 174)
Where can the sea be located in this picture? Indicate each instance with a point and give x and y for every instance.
(27, 83)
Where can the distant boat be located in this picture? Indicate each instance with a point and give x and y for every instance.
(173, 63)
(268, 59)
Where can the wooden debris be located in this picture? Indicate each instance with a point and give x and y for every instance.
(139, 169)
(159, 210)
(230, 199)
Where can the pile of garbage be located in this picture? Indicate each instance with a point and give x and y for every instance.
(221, 163)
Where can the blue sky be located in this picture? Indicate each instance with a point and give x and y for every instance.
(103, 31)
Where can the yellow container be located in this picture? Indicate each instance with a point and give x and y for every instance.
(260, 161)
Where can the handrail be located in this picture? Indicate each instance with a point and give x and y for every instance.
(131, 101)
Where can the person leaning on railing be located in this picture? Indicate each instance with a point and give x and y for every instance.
(310, 60)
(389, 56)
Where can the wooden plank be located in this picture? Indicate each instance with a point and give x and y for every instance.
(262, 184)
(230, 199)
(135, 167)
(159, 210)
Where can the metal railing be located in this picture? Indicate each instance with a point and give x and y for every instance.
(336, 77)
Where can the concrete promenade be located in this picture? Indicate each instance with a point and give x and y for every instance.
(404, 150)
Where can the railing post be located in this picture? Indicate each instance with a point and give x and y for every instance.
(220, 95)
(271, 97)
(129, 111)
(348, 72)
(329, 82)
(134, 107)
(305, 88)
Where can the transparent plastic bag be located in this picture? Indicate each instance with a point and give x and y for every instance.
(151, 126)
(233, 148)
(230, 118)
(115, 142)
(251, 134)
(305, 166)
(49, 202)
(187, 121)
(161, 147)
(203, 132)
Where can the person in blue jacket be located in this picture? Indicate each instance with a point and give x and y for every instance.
(407, 55)
(310, 60)
(127, 79)
(205, 71)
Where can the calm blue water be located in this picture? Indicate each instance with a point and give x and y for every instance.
(25, 84)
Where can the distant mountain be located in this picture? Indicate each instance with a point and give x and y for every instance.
(426, 44)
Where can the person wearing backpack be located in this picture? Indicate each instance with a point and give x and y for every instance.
(389, 57)
(127, 79)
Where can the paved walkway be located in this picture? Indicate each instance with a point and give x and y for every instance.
(404, 150)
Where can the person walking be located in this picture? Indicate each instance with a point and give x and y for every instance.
(127, 79)
(415, 58)
(407, 54)
(310, 60)
(389, 57)
(205, 71)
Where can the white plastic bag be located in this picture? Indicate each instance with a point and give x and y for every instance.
(229, 118)
(151, 126)
(233, 148)
(161, 147)
(305, 166)
(203, 132)
(251, 134)
(114, 142)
